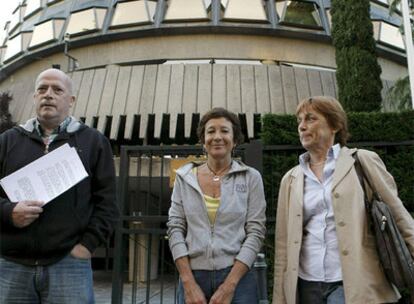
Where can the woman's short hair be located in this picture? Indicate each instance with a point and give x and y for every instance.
(333, 112)
(221, 113)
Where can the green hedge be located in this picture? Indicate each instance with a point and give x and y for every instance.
(364, 127)
(393, 127)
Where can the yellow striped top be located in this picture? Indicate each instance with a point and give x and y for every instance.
(212, 203)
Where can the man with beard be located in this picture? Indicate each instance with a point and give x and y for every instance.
(45, 250)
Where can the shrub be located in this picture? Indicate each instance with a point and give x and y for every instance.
(358, 72)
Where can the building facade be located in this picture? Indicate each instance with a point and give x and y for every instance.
(145, 70)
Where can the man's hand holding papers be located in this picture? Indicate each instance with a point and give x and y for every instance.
(45, 178)
(26, 212)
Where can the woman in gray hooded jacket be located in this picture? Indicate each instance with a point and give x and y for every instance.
(217, 218)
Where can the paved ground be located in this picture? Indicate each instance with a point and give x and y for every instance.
(103, 290)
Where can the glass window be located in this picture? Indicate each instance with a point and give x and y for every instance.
(42, 33)
(52, 1)
(328, 14)
(56, 10)
(16, 19)
(26, 36)
(46, 32)
(207, 3)
(224, 3)
(184, 10)
(14, 47)
(3, 36)
(2, 51)
(100, 17)
(58, 27)
(387, 3)
(388, 34)
(133, 12)
(85, 21)
(298, 13)
(253, 10)
(376, 25)
(32, 6)
(29, 22)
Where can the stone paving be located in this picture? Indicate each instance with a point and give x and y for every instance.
(103, 290)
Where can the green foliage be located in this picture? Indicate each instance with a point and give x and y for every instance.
(5, 116)
(399, 94)
(400, 162)
(358, 72)
(280, 130)
(363, 126)
(392, 127)
(275, 166)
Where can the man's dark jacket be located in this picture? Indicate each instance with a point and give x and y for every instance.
(85, 214)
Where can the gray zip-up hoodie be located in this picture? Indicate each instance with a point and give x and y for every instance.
(239, 228)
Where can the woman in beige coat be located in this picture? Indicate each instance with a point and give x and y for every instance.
(325, 252)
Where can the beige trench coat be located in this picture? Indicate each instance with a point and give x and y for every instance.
(363, 278)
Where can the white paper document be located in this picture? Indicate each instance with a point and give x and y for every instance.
(47, 177)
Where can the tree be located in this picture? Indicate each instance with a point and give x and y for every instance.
(399, 94)
(5, 116)
(358, 72)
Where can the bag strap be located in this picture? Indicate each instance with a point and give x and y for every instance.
(361, 177)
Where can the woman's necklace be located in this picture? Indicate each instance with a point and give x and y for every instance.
(217, 175)
(317, 164)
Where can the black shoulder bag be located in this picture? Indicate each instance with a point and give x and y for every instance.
(394, 255)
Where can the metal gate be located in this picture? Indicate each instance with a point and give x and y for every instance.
(144, 271)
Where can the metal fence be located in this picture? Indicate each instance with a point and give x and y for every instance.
(141, 254)
(141, 250)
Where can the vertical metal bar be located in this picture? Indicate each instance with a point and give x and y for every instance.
(324, 17)
(271, 10)
(148, 200)
(161, 237)
(161, 185)
(162, 240)
(215, 11)
(107, 246)
(139, 181)
(149, 248)
(117, 283)
(260, 271)
(409, 46)
(159, 13)
(135, 267)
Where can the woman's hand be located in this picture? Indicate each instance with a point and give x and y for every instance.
(224, 294)
(193, 294)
